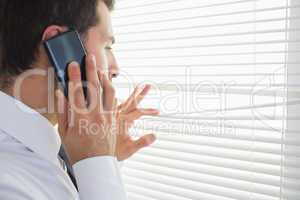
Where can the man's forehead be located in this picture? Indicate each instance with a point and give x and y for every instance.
(105, 22)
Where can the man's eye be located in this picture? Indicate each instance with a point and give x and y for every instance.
(108, 48)
(114, 75)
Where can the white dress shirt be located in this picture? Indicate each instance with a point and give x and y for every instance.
(31, 170)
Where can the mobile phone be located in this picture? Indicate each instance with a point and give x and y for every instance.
(62, 50)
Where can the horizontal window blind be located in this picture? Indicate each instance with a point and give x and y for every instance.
(225, 75)
(291, 163)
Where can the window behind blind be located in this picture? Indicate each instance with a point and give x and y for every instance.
(225, 77)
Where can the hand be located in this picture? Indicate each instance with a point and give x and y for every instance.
(126, 115)
(86, 128)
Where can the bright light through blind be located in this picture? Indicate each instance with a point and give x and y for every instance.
(222, 72)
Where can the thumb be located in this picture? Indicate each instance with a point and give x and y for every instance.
(62, 112)
(144, 141)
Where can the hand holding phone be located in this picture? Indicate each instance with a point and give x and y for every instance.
(96, 137)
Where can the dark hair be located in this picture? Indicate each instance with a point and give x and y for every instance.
(22, 24)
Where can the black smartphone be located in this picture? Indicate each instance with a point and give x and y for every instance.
(62, 50)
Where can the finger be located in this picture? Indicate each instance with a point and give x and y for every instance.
(138, 113)
(131, 98)
(127, 120)
(142, 94)
(123, 128)
(108, 96)
(94, 88)
(137, 145)
(138, 98)
(143, 142)
(62, 112)
(115, 106)
(76, 95)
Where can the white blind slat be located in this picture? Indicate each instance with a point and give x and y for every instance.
(225, 75)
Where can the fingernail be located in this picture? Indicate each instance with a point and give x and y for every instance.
(93, 58)
(140, 88)
(152, 139)
(74, 65)
(155, 112)
(101, 72)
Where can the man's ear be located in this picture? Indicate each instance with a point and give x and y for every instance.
(52, 31)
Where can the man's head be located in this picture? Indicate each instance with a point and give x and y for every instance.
(26, 24)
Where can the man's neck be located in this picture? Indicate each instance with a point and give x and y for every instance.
(50, 117)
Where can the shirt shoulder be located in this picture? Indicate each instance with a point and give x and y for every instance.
(25, 173)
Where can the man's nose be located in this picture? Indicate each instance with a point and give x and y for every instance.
(114, 69)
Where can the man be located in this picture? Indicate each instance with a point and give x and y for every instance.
(30, 167)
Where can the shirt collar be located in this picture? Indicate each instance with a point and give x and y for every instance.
(29, 127)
